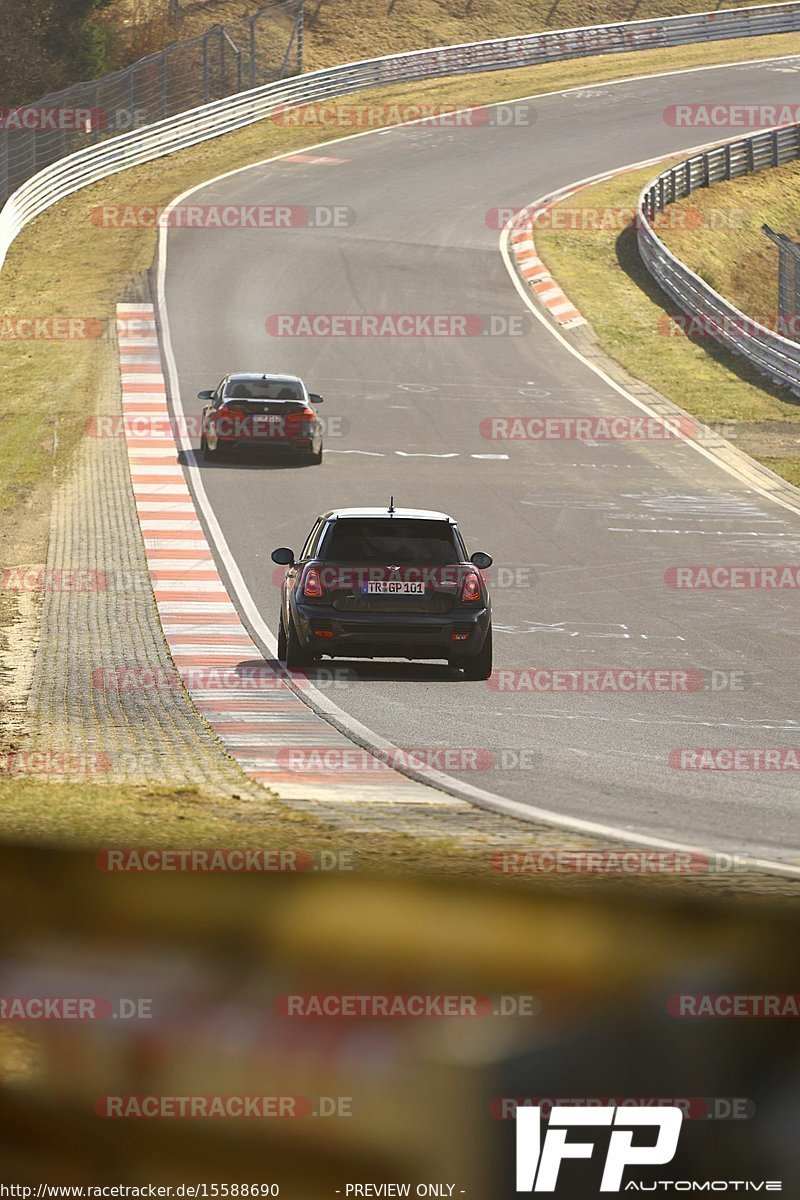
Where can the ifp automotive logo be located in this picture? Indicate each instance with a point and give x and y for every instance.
(539, 1159)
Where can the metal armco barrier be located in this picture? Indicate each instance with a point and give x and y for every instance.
(775, 356)
(83, 167)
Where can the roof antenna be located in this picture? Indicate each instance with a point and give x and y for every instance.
(391, 504)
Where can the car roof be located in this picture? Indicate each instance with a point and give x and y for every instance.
(416, 513)
(262, 377)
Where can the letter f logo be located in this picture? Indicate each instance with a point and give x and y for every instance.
(538, 1166)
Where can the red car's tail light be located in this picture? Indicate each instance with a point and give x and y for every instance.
(312, 585)
(471, 589)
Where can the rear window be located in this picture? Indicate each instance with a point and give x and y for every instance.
(392, 541)
(262, 389)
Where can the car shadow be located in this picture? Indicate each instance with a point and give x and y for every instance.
(252, 460)
(336, 671)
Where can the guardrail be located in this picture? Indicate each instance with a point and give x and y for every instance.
(772, 354)
(86, 166)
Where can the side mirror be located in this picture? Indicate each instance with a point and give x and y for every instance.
(204, 395)
(314, 398)
(283, 556)
(480, 560)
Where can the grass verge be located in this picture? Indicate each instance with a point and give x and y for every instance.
(744, 267)
(337, 32)
(601, 272)
(92, 815)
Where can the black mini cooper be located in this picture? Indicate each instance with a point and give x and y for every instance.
(385, 583)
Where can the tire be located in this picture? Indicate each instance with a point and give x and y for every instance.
(281, 640)
(315, 459)
(479, 667)
(297, 657)
(210, 455)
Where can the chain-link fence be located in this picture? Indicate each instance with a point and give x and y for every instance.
(223, 60)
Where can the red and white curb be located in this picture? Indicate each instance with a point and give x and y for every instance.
(245, 699)
(536, 274)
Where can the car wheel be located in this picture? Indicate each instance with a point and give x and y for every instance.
(297, 655)
(281, 640)
(211, 455)
(479, 667)
(315, 459)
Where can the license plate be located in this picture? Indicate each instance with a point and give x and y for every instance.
(395, 587)
(266, 419)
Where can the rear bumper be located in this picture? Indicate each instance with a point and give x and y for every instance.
(391, 635)
(279, 445)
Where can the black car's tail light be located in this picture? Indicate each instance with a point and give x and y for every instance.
(471, 588)
(311, 587)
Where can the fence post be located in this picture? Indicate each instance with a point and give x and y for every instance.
(5, 188)
(163, 83)
(788, 281)
(253, 72)
(205, 69)
(300, 22)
